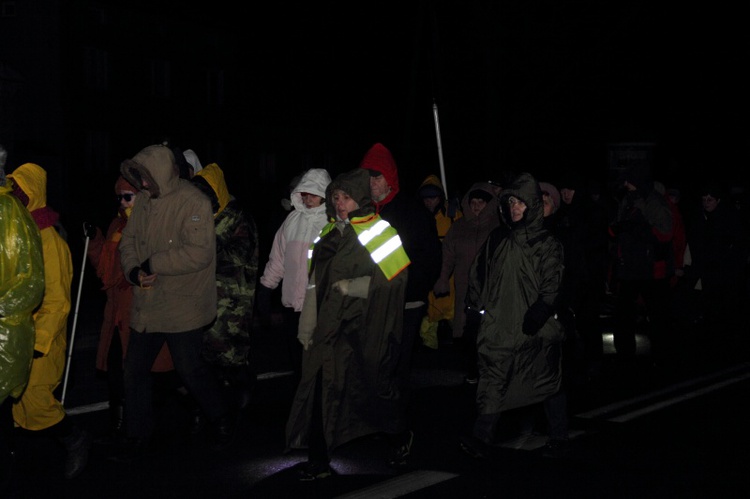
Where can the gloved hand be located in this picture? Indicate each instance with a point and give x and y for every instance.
(359, 287)
(89, 230)
(133, 275)
(442, 287)
(535, 317)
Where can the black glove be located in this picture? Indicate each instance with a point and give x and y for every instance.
(133, 276)
(263, 304)
(89, 230)
(146, 267)
(535, 317)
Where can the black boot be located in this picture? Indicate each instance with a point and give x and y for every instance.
(224, 430)
(242, 383)
(116, 426)
(77, 444)
(197, 421)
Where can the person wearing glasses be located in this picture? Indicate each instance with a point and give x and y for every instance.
(103, 253)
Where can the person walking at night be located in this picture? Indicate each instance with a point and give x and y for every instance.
(38, 409)
(417, 230)
(21, 291)
(581, 225)
(226, 344)
(513, 285)
(104, 255)
(460, 247)
(644, 263)
(440, 310)
(718, 248)
(287, 260)
(350, 328)
(168, 253)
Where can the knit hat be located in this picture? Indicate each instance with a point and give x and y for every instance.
(553, 193)
(480, 194)
(430, 191)
(123, 185)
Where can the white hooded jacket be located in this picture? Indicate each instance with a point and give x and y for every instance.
(287, 261)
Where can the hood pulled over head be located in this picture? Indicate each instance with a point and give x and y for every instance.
(356, 183)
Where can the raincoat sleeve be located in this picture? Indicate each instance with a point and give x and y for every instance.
(52, 317)
(274, 270)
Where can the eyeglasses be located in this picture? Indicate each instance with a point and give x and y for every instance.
(128, 197)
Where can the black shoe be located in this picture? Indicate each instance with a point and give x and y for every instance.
(403, 451)
(224, 430)
(313, 470)
(474, 447)
(197, 423)
(77, 445)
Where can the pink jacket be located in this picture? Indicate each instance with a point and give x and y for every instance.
(287, 261)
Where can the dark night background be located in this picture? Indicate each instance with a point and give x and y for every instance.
(540, 86)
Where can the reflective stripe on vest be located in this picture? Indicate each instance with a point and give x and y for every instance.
(381, 241)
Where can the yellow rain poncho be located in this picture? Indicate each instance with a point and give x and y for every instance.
(21, 290)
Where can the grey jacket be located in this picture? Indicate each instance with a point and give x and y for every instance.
(171, 230)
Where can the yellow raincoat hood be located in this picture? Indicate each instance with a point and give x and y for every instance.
(214, 176)
(33, 180)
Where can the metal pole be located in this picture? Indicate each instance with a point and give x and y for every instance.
(75, 321)
(440, 147)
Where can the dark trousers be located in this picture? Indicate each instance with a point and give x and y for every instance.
(412, 323)
(115, 384)
(655, 294)
(317, 447)
(194, 373)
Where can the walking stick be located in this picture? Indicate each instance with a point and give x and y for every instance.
(439, 146)
(75, 318)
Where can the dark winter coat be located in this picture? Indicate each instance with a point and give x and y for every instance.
(460, 246)
(355, 342)
(643, 236)
(517, 276)
(414, 223)
(172, 230)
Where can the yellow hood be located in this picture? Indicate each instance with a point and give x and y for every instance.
(33, 180)
(215, 178)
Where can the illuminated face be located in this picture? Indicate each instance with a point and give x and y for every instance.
(126, 198)
(566, 195)
(379, 188)
(344, 204)
(709, 202)
(431, 203)
(517, 208)
(476, 205)
(311, 200)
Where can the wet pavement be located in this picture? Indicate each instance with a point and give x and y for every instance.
(642, 431)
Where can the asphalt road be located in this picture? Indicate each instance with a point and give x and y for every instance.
(643, 431)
